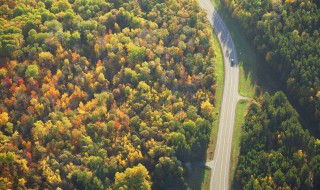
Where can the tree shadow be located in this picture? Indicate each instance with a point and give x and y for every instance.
(260, 72)
(197, 179)
(254, 66)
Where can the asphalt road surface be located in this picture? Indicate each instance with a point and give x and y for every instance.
(220, 165)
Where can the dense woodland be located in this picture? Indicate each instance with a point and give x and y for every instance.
(287, 32)
(103, 94)
(276, 153)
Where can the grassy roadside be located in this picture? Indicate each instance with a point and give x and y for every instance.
(247, 56)
(218, 98)
(248, 61)
(241, 112)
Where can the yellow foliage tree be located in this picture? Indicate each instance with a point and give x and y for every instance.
(4, 118)
(207, 110)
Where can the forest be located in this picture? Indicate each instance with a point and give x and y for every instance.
(103, 94)
(287, 34)
(276, 152)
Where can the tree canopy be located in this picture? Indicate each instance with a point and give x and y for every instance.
(103, 94)
(275, 151)
(287, 32)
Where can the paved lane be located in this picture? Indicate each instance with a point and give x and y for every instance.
(220, 165)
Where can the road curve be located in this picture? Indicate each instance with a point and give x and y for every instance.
(220, 165)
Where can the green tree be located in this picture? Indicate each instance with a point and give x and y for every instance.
(168, 173)
(279, 178)
(85, 180)
(180, 146)
(32, 71)
(53, 26)
(136, 54)
(133, 178)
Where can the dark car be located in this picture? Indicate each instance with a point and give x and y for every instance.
(232, 62)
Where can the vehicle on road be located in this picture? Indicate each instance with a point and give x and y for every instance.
(232, 62)
(220, 165)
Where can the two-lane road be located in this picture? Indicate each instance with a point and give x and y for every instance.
(220, 165)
